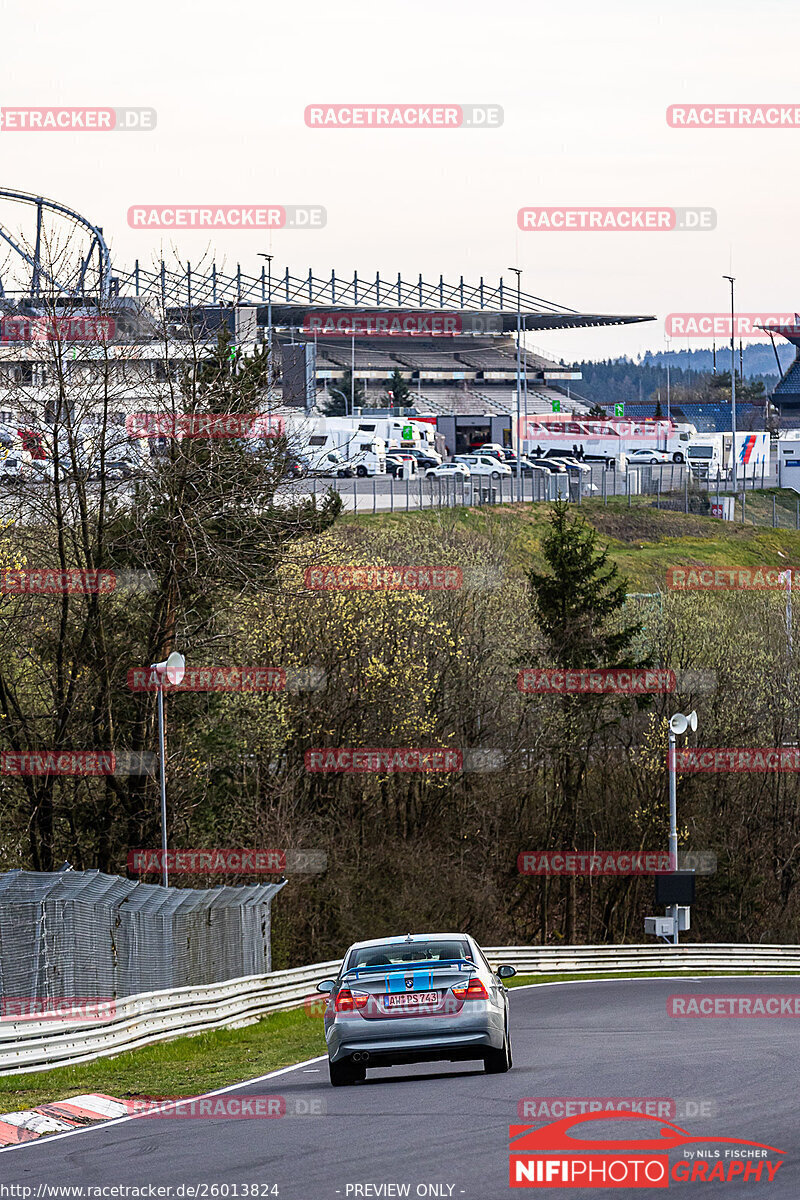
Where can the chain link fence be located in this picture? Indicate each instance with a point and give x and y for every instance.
(83, 934)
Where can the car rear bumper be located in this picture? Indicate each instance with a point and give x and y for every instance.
(421, 1039)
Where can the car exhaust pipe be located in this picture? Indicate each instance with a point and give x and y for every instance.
(361, 1057)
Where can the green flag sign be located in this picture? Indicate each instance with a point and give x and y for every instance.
(556, 406)
(619, 410)
(408, 433)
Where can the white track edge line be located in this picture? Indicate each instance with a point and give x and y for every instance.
(55, 1137)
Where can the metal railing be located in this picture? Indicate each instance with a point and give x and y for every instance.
(43, 1044)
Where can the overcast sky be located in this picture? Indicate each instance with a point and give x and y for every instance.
(584, 87)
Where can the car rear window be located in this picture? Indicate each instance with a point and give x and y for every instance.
(406, 952)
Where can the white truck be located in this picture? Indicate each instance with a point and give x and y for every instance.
(365, 454)
(711, 454)
(398, 433)
(602, 440)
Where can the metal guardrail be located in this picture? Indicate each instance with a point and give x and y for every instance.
(42, 1044)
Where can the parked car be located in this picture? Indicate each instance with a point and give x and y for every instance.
(483, 464)
(647, 456)
(44, 471)
(408, 468)
(573, 464)
(115, 469)
(449, 470)
(394, 465)
(425, 459)
(504, 453)
(11, 470)
(553, 465)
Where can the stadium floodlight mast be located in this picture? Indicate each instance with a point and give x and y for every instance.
(269, 258)
(732, 279)
(518, 272)
(172, 670)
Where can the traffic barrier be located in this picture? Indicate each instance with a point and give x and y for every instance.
(43, 1044)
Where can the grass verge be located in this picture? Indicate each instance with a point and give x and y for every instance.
(186, 1066)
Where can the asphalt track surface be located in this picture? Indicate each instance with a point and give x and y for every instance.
(448, 1124)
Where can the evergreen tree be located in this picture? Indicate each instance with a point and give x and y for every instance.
(575, 604)
(345, 395)
(397, 390)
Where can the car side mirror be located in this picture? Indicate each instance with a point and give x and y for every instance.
(326, 985)
(505, 972)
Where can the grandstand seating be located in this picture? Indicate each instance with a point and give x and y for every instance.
(706, 417)
(365, 359)
(789, 386)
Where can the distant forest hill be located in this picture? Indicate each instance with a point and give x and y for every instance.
(635, 381)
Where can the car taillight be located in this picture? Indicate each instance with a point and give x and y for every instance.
(474, 990)
(348, 1001)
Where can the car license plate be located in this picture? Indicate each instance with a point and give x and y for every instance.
(410, 999)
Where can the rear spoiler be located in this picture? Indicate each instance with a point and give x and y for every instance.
(428, 963)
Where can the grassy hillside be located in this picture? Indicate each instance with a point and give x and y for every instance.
(642, 540)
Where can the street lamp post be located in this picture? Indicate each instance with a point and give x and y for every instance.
(269, 258)
(172, 670)
(518, 272)
(731, 279)
(678, 724)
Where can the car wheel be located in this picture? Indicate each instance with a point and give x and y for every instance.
(495, 474)
(343, 1073)
(678, 457)
(497, 1062)
(361, 472)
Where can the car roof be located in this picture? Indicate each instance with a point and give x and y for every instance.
(415, 937)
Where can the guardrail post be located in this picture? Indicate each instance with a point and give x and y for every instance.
(374, 494)
(773, 512)
(355, 494)
(686, 491)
